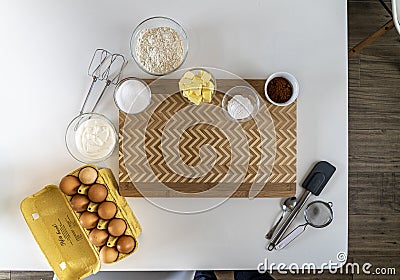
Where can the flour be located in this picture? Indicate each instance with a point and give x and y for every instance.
(160, 50)
(240, 107)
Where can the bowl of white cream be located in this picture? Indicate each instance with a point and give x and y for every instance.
(91, 138)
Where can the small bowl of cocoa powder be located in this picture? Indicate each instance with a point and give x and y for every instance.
(281, 89)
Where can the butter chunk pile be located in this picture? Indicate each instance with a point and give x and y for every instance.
(197, 87)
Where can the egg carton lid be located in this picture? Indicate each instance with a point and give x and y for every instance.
(59, 235)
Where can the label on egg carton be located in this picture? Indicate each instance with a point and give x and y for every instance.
(57, 229)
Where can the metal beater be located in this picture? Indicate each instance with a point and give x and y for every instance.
(104, 66)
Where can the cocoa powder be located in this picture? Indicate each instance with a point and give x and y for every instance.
(279, 90)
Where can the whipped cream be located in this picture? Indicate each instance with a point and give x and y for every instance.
(95, 138)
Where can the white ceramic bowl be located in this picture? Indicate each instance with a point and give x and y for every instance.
(292, 80)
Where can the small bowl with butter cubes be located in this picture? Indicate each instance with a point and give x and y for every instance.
(197, 86)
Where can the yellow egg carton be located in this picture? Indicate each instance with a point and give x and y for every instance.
(59, 233)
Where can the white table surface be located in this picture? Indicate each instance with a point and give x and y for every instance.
(46, 46)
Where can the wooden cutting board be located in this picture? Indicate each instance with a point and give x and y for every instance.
(145, 160)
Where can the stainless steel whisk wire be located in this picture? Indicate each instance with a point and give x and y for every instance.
(103, 64)
(115, 75)
(95, 73)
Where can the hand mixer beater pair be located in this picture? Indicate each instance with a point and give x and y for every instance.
(107, 67)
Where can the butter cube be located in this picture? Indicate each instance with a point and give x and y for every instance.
(189, 75)
(183, 86)
(207, 95)
(185, 81)
(209, 85)
(196, 91)
(195, 98)
(197, 80)
(205, 76)
(192, 85)
(197, 87)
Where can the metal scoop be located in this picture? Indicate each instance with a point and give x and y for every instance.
(287, 206)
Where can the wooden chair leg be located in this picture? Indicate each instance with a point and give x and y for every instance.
(367, 41)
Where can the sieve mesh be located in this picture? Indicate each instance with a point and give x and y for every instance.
(318, 214)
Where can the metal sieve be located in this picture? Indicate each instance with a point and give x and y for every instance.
(317, 214)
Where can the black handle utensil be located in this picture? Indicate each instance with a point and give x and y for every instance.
(313, 184)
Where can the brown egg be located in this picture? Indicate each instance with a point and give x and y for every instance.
(116, 227)
(89, 220)
(97, 193)
(107, 210)
(88, 175)
(126, 244)
(79, 202)
(108, 254)
(69, 185)
(98, 237)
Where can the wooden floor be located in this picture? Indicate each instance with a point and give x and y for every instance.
(374, 150)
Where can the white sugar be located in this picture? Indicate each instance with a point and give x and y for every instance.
(132, 96)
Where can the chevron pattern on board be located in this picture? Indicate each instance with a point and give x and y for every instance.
(203, 150)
